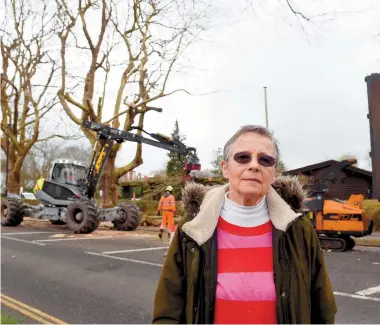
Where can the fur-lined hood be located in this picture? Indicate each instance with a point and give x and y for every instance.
(202, 205)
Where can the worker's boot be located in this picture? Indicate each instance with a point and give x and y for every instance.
(160, 233)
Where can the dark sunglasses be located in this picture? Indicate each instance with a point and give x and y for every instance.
(246, 157)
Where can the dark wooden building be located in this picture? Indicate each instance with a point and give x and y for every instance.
(354, 180)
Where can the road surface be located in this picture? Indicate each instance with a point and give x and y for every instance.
(105, 279)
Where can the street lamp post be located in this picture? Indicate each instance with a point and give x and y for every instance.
(266, 107)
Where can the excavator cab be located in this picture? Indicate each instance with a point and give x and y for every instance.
(68, 171)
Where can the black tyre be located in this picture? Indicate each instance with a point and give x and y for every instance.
(129, 217)
(57, 222)
(82, 216)
(12, 212)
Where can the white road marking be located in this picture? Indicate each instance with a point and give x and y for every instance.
(76, 238)
(124, 259)
(136, 250)
(368, 291)
(23, 241)
(356, 296)
(27, 233)
(376, 263)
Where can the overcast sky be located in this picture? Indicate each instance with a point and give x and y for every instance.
(317, 96)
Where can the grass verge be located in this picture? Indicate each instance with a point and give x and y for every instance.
(9, 319)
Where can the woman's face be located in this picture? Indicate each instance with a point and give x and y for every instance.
(249, 181)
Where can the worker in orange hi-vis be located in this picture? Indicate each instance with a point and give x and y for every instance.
(167, 207)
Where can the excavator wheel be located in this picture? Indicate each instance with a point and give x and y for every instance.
(12, 212)
(82, 216)
(334, 244)
(129, 217)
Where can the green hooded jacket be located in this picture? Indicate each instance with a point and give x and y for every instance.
(187, 286)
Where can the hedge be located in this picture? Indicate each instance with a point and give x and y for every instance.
(372, 209)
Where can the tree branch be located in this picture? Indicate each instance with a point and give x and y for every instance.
(74, 102)
(296, 12)
(73, 137)
(138, 111)
(137, 160)
(67, 109)
(82, 12)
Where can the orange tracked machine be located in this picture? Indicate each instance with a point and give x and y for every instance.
(335, 221)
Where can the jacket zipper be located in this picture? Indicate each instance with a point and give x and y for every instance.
(201, 290)
(287, 321)
(199, 294)
(213, 268)
(184, 247)
(289, 284)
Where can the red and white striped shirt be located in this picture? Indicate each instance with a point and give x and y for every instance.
(245, 292)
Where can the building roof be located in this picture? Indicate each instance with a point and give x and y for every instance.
(325, 164)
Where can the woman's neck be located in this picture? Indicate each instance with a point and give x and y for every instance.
(245, 216)
(243, 200)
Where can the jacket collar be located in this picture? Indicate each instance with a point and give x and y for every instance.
(205, 220)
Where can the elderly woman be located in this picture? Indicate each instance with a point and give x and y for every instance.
(243, 254)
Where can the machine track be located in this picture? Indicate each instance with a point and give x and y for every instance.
(334, 244)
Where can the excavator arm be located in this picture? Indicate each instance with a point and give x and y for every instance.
(108, 136)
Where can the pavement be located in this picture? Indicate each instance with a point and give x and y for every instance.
(373, 240)
(110, 277)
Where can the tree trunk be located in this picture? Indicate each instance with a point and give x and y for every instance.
(111, 176)
(108, 183)
(14, 171)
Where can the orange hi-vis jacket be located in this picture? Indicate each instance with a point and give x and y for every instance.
(167, 206)
(167, 203)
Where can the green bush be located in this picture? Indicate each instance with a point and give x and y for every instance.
(7, 318)
(372, 209)
(376, 219)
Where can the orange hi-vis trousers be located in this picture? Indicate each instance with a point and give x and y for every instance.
(167, 207)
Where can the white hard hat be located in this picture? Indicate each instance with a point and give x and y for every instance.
(169, 188)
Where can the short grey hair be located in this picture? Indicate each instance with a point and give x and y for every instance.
(258, 129)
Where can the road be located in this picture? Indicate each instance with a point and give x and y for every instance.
(106, 279)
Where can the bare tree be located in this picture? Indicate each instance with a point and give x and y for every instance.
(150, 36)
(27, 76)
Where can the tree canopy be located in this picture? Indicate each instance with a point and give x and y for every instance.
(175, 166)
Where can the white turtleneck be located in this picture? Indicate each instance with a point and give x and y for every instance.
(245, 216)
